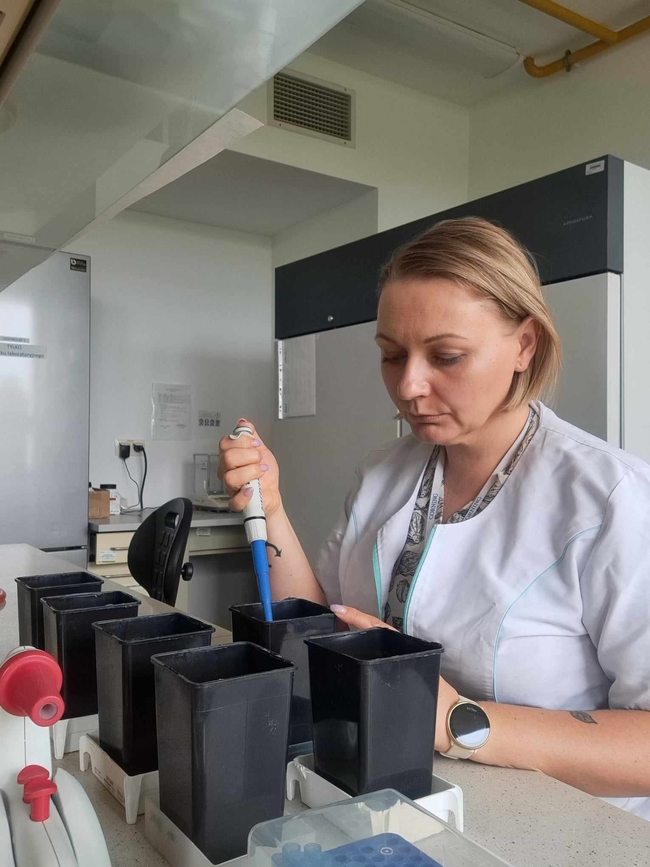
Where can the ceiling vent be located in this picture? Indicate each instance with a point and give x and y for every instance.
(312, 107)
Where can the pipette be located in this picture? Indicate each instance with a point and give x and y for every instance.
(255, 527)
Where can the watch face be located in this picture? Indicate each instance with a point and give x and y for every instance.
(469, 725)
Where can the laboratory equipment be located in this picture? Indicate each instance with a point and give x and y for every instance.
(255, 527)
(33, 588)
(223, 722)
(445, 801)
(125, 682)
(70, 639)
(130, 790)
(384, 828)
(388, 849)
(374, 698)
(294, 620)
(208, 488)
(44, 394)
(45, 819)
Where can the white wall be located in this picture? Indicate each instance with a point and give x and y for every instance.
(349, 222)
(181, 303)
(600, 107)
(411, 146)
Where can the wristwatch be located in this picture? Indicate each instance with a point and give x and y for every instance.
(468, 727)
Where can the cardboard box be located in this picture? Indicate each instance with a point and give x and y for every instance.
(99, 504)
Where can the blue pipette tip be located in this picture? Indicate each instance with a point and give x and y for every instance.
(261, 565)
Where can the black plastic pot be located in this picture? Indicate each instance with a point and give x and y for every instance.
(33, 588)
(125, 682)
(69, 637)
(223, 722)
(294, 620)
(374, 698)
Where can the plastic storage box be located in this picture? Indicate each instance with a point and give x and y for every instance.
(374, 700)
(223, 722)
(70, 638)
(384, 829)
(33, 588)
(125, 682)
(294, 620)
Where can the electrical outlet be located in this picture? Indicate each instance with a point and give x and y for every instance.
(129, 444)
(121, 443)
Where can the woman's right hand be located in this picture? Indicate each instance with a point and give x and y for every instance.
(243, 460)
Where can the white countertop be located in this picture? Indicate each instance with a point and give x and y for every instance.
(524, 817)
(128, 522)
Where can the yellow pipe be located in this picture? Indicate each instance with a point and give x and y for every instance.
(568, 16)
(573, 57)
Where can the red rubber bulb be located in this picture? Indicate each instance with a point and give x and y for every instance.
(29, 686)
(38, 793)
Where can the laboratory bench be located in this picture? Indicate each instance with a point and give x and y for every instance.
(524, 817)
(217, 548)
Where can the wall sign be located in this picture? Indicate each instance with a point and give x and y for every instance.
(22, 350)
(209, 419)
(171, 411)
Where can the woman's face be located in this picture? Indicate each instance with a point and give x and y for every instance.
(448, 357)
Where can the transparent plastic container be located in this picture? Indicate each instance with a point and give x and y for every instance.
(206, 480)
(384, 829)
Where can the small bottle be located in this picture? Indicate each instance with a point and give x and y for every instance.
(115, 498)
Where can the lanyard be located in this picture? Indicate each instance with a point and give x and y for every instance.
(499, 474)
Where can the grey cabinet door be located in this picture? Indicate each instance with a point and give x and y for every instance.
(319, 454)
(587, 315)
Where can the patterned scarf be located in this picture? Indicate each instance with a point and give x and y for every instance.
(408, 561)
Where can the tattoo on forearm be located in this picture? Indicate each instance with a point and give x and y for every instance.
(583, 716)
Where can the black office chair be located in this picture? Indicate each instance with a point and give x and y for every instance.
(157, 550)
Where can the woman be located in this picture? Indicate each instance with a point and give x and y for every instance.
(518, 541)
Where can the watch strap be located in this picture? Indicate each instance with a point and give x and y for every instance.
(458, 752)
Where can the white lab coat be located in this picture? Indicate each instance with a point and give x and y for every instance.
(542, 599)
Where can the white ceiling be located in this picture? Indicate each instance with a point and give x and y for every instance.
(447, 61)
(248, 194)
(473, 49)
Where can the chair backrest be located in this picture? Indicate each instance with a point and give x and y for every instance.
(158, 547)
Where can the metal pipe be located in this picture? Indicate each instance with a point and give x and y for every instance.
(568, 16)
(571, 58)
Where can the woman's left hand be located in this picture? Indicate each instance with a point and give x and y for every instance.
(447, 695)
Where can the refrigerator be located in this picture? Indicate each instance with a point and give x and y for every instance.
(44, 420)
(587, 229)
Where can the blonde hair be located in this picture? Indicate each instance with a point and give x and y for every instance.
(482, 256)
